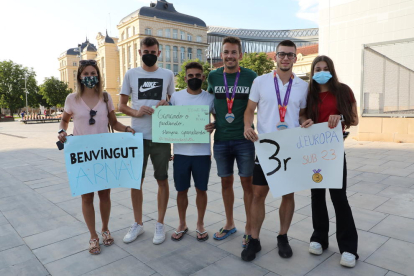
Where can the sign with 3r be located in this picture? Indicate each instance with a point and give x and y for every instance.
(302, 158)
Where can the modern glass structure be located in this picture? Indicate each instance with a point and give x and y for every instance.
(255, 41)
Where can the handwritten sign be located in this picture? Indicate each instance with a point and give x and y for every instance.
(180, 124)
(103, 161)
(302, 158)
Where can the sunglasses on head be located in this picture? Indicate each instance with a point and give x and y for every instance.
(87, 62)
(92, 120)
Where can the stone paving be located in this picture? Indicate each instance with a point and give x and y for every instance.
(42, 231)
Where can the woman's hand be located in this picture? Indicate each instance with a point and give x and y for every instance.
(333, 121)
(307, 123)
(129, 129)
(62, 136)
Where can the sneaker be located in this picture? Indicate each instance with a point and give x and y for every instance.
(249, 253)
(285, 251)
(348, 259)
(133, 233)
(315, 248)
(159, 234)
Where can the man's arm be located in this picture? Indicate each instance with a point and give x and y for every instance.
(249, 132)
(124, 108)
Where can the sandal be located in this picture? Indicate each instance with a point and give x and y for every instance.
(201, 233)
(226, 232)
(107, 238)
(94, 247)
(178, 233)
(246, 239)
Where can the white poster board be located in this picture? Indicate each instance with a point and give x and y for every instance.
(302, 158)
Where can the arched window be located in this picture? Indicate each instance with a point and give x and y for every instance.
(189, 37)
(199, 54)
(182, 35)
(190, 53)
(175, 54)
(182, 54)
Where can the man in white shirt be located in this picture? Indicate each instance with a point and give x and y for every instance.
(148, 86)
(280, 98)
(193, 158)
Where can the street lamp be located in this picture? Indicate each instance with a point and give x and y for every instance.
(25, 88)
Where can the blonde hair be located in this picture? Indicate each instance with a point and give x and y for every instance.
(81, 87)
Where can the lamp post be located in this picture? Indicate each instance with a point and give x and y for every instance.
(25, 90)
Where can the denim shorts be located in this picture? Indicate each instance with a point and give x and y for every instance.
(185, 166)
(225, 152)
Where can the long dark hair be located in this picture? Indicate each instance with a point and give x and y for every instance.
(341, 91)
(81, 87)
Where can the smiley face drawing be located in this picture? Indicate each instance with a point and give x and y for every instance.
(317, 177)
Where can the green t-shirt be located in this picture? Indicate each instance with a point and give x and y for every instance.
(226, 131)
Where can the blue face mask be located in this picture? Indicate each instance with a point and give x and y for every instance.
(322, 77)
(90, 81)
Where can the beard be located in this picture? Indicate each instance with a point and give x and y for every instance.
(285, 69)
(233, 60)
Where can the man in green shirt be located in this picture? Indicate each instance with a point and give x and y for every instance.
(231, 87)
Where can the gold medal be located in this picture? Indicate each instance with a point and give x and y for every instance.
(317, 177)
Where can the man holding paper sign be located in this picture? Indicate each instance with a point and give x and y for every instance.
(280, 98)
(192, 158)
(148, 86)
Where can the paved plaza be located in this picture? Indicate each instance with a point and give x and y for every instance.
(42, 231)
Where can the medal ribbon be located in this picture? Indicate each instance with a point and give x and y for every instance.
(230, 100)
(282, 108)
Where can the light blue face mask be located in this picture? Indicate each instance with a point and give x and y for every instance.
(322, 77)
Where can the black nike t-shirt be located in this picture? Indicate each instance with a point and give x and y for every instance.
(147, 89)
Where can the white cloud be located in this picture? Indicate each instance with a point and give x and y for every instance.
(309, 10)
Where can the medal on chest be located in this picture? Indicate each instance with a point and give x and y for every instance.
(230, 98)
(282, 125)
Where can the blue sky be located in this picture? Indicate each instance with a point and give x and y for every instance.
(35, 33)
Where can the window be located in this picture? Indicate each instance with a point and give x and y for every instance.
(74, 63)
(199, 38)
(189, 37)
(168, 66)
(167, 32)
(182, 54)
(175, 34)
(189, 53)
(175, 69)
(199, 56)
(160, 57)
(167, 53)
(182, 35)
(148, 31)
(175, 54)
(160, 65)
(159, 33)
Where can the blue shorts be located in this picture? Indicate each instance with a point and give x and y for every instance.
(226, 151)
(198, 166)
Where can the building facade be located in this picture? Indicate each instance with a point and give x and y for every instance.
(371, 43)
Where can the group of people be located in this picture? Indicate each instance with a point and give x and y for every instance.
(282, 100)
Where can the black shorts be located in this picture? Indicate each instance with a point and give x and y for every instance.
(259, 178)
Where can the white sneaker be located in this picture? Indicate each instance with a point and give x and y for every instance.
(133, 233)
(348, 259)
(315, 248)
(159, 234)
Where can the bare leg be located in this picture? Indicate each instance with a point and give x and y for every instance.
(105, 207)
(89, 213)
(201, 202)
(182, 204)
(163, 194)
(247, 185)
(286, 210)
(137, 199)
(228, 199)
(258, 209)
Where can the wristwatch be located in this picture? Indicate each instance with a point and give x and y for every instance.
(61, 130)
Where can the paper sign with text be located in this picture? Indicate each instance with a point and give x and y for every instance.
(180, 124)
(302, 158)
(103, 161)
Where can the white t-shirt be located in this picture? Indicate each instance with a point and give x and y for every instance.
(263, 92)
(184, 98)
(147, 89)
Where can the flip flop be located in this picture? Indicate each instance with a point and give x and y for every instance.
(178, 233)
(227, 232)
(247, 239)
(202, 233)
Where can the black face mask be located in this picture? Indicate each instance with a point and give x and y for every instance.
(149, 59)
(194, 84)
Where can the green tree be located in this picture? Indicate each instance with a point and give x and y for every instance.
(181, 84)
(54, 92)
(258, 62)
(12, 86)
